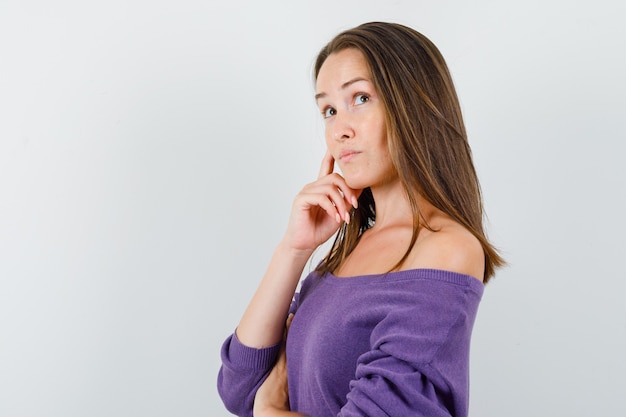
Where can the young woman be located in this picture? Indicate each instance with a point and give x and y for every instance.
(382, 327)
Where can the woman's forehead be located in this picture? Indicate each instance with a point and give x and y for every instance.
(341, 69)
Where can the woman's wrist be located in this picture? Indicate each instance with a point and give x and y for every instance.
(286, 251)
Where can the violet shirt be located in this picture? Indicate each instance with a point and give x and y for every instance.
(395, 344)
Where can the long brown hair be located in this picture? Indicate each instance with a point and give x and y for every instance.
(426, 135)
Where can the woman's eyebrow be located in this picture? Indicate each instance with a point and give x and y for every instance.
(343, 86)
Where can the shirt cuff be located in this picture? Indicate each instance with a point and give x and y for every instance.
(243, 356)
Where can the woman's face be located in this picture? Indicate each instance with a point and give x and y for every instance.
(356, 134)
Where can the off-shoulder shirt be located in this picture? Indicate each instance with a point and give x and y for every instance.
(395, 344)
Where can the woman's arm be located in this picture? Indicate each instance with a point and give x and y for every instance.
(262, 324)
(316, 214)
(248, 355)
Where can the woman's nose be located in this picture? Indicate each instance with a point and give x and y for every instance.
(343, 128)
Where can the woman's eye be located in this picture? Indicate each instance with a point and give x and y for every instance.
(328, 112)
(361, 98)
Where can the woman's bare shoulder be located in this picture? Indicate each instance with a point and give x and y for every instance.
(452, 247)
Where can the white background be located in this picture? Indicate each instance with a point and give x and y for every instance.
(149, 153)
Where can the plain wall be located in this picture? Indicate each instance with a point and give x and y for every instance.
(150, 151)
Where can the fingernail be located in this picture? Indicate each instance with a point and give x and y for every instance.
(338, 218)
(355, 202)
(347, 217)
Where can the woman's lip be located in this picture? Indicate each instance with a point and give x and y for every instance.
(347, 154)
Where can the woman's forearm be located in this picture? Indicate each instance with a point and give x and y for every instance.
(263, 322)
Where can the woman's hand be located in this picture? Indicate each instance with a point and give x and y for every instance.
(320, 208)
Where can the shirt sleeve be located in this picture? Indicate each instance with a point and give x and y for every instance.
(243, 371)
(385, 386)
(418, 364)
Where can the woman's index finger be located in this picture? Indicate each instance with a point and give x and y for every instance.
(328, 165)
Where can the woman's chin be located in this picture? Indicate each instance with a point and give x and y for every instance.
(355, 183)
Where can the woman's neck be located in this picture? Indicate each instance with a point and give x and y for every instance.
(392, 205)
(394, 209)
